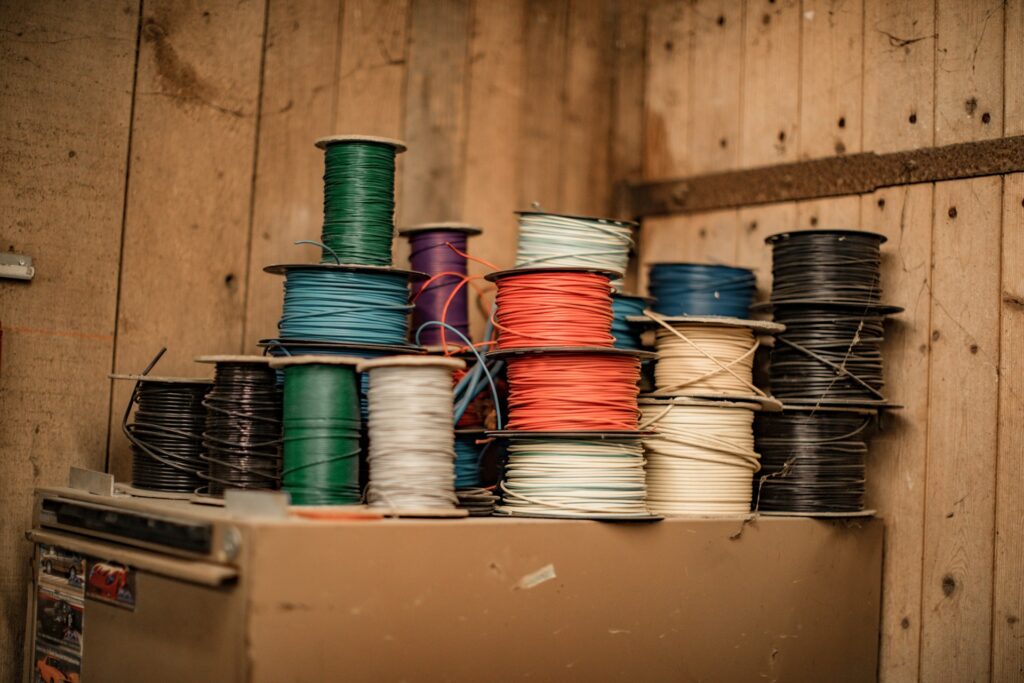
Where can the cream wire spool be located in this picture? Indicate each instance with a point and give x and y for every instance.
(583, 478)
(701, 459)
(549, 239)
(412, 442)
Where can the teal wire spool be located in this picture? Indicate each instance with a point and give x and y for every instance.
(321, 430)
(467, 460)
(345, 304)
(359, 199)
(627, 334)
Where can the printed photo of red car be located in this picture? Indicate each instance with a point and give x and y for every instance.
(112, 583)
(51, 669)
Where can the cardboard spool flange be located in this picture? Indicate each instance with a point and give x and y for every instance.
(466, 228)
(412, 362)
(513, 272)
(555, 350)
(285, 268)
(322, 143)
(764, 326)
(600, 219)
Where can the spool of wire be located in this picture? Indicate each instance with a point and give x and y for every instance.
(357, 305)
(548, 239)
(812, 460)
(469, 488)
(701, 459)
(321, 429)
(573, 391)
(242, 436)
(166, 433)
(704, 359)
(574, 477)
(828, 353)
(699, 289)
(359, 198)
(412, 444)
(826, 267)
(438, 249)
(553, 308)
(627, 334)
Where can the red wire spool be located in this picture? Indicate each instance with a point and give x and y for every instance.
(553, 309)
(573, 392)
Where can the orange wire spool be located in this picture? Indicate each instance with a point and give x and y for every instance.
(553, 309)
(573, 392)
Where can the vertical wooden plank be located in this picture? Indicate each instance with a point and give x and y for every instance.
(435, 111)
(831, 75)
(491, 195)
(771, 82)
(1013, 69)
(663, 239)
(968, 70)
(666, 103)
(187, 213)
(543, 103)
(831, 213)
(756, 223)
(896, 462)
(1008, 602)
(65, 109)
(585, 150)
(298, 100)
(962, 422)
(899, 66)
(717, 66)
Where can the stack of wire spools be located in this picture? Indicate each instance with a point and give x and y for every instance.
(441, 323)
(701, 458)
(826, 369)
(574, 449)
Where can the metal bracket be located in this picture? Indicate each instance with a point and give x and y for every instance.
(16, 266)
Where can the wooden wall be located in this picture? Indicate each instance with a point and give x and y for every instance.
(156, 155)
(733, 85)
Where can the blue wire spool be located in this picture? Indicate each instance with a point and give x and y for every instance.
(627, 334)
(698, 289)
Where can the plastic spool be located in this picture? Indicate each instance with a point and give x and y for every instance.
(577, 478)
(412, 452)
(552, 239)
(701, 461)
(321, 428)
(242, 436)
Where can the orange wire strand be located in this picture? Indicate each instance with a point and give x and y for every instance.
(554, 309)
(573, 391)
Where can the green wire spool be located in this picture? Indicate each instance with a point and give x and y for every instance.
(321, 429)
(359, 199)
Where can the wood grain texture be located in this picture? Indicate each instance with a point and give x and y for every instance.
(492, 171)
(666, 103)
(896, 462)
(755, 224)
(828, 214)
(65, 109)
(771, 82)
(717, 64)
(543, 105)
(186, 236)
(1008, 601)
(1013, 69)
(434, 115)
(298, 100)
(899, 74)
(962, 424)
(968, 70)
(831, 77)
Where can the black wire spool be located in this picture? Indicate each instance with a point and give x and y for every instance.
(811, 461)
(828, 353)
(827, 266)
(242, 434)
(166, 434)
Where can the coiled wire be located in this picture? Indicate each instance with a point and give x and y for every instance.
(699, 289)
(627, 335)
(242, 436)
(166, 435)
(811, 461)
(827, 266)
(827, 353)
(547, 240)
(343, 306)
(359, 202)
(553, 309)
(696, 358)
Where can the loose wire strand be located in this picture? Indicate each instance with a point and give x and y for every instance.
(701, 459)
(553, 309)
(547, 240)
(574, 478)
(573, 391)
(412, 452)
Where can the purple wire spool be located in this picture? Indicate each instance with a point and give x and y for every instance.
(430, 254)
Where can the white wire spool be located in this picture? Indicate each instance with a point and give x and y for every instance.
(547, 240)
(701, 459)
(412, 442)
(574, 478)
